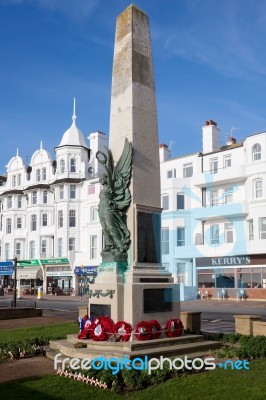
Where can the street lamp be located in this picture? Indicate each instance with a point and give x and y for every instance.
(15, 260)
(15, 282)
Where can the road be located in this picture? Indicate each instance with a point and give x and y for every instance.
(217, 316)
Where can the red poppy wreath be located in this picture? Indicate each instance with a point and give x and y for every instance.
(143, 330)
(174, 327)
(85, 333)
(123, 331)
(155, 329)
(101, 328)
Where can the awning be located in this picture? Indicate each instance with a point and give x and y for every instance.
(29, 273)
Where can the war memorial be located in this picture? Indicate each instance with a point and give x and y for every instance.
(134, 307)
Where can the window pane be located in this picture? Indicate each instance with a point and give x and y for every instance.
(165, 241)
(187, 170)
(180, 202)
(214, 234)
(165, 202)
(180, 236)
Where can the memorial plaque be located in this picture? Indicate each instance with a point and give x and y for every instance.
(149, 237)
(157, 300)
(100, 310)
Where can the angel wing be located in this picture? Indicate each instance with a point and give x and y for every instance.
(121, 177)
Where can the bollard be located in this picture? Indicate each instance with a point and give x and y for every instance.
(18, 293)
(40, 293)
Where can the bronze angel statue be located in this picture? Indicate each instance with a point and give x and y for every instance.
(115, 199)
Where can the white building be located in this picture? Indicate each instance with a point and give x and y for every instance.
(213, 223)
(49, 212)
(214, 218)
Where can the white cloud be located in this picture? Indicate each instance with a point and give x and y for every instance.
(77, 10)
(230, 40)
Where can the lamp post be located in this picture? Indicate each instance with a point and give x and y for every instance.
(15, 282)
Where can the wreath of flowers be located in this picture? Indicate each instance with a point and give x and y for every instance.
(85, 324)
(123, 329)
(155, 329)
(174, 327)
(101, 328)
(143, 330)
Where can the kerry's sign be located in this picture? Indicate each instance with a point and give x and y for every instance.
(248, 259)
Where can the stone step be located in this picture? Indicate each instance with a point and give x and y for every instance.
(137, 345)
(67, 349)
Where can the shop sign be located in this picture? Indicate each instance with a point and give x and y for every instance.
(59, 273)
(85, 270)
(55, 261)
(253, 259)
(6, 270)
(24, 276)
(28, 263)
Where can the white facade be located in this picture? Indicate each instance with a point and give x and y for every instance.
(49, 208)
(214, 210)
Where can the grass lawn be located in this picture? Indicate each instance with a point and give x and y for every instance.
(217, 384)
(52, 331)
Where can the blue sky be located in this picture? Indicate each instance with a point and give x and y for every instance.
(209, 60)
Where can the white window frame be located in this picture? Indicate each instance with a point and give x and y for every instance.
(73, 164)
(228, 195)
(61, 192)
(94, 214)
(227, 161)
(72, 191)
(7, 251)
(188, 170)
(60, 247)
(44, 174)
(33, 222)
(262, 228)
(8, 226)
(165, 240)
(228, 232)
(214, 197)
(31, 249)
(71, 243)
(213, 165)
(38, 175)
(256, 152)
(45, 196)
(62, 165)
(44, 219)
(93, 247)
(179, 196)
(214, 234)
(171, 173)
(9, 201)
(165, 198)
(250, 229)
(60, 219)
(258, 191)
(19, 223)
(34, 197)
(72, 218)
(181, 241)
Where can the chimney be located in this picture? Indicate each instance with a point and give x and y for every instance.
(164, 153)
(210, 137)
(230, 140)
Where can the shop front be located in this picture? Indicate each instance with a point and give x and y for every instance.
(6, 271)
(85, 276)
(29, 276)
(233, 275)
(58, 276)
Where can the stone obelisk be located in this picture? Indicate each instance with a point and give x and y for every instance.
(148, 289)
